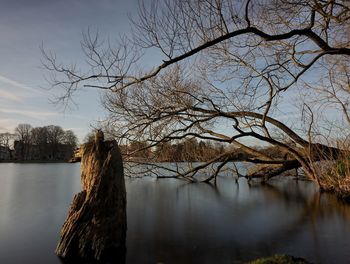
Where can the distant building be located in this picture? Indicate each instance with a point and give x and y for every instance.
(5, 153)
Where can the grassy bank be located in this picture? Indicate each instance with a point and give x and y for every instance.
(334, 176)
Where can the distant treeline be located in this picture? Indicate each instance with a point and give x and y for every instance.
(186, 150)
(47, 143)
(189, 150)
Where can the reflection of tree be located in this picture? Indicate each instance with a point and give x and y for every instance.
(306, 205)
(231, 219)
(312, 209)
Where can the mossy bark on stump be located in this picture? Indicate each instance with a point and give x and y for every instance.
(95, 227)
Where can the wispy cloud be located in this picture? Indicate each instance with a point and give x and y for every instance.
(10, 96)
(8, 125)
(6, 80)
(29, 113)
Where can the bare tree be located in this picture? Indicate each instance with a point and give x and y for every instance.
(23, 133)
(222, 62)
(39, 136)
(69, 138)
(6, 140)
(23, 136)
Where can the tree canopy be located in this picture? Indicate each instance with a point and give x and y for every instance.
(39, 143)
(227, 71)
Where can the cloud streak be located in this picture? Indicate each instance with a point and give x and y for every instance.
(29, 113)
(6, 80)
(7, 125)
(10, 96)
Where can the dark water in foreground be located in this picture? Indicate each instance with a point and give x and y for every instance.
(170, 221)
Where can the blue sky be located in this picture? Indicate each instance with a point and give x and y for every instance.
(27, 24)
(24, 26)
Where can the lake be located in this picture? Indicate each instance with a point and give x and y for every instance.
(171, 221)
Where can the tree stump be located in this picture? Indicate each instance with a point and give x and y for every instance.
(95, 228)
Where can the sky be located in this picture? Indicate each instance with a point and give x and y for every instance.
(26, 25)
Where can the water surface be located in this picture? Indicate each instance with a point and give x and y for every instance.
(171, 221)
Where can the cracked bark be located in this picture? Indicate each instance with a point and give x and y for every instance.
(95, 228)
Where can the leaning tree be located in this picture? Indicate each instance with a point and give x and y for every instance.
(273, 71)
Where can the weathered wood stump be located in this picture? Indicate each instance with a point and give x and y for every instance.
(95, 228)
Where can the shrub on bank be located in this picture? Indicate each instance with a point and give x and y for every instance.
(279, 259)
(335, 177)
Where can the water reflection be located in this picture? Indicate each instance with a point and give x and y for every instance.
(171, 221)
(230, 223)
(33, 204)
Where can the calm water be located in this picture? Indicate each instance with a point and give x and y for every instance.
(170, 221)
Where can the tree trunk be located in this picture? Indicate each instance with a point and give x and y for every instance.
(95, 228)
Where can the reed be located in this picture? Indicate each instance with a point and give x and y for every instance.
(334, 174)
